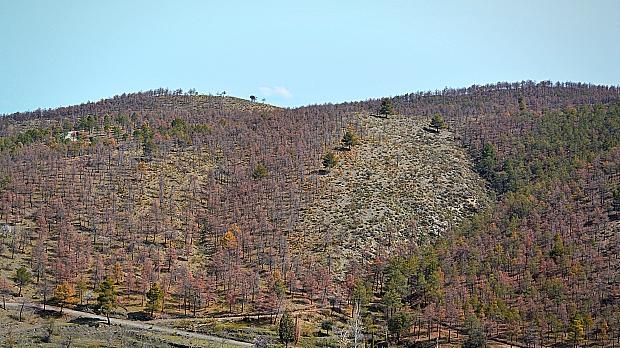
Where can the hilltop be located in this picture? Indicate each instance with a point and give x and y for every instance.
(157, 101)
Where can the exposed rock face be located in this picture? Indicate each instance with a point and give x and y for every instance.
(401, 183)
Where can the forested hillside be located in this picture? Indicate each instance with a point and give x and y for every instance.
(212, 202)
(543, 260)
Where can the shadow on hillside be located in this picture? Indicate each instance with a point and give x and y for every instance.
(319, 172)
(87, 321)
(48, 313)
(385, 117)
(139, 316)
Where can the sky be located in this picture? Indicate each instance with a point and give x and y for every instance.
(292, 53)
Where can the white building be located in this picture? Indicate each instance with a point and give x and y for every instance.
(71, 135)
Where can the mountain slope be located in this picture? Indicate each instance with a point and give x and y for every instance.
(221, 202)
(400, 184)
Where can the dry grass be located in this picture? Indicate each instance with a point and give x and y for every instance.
(401, 183)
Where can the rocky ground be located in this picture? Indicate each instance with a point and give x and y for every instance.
(401, 183)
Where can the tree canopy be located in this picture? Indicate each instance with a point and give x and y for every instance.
(350, 138)
(64, 294)
(22, 278)
(286, 329)
(438, 122)
(400, 323)
(259, 172)
(106, 297)
(155, 298)
(386, 108)
(330, 160)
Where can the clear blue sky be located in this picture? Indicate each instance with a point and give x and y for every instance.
(292, 53)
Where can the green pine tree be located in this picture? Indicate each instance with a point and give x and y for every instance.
(106, 298)
(487, 164)
(330, 160)
(616, 196)
(350, 139)
(22, 278)
(438, 122)
(386, 107)
(392, 301)
(259, 172)
(399, 323)
(286, 329)
(475, 335)
(155, 298)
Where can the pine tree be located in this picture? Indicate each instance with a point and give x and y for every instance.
(286, 329)
(230, 238)
(392, 301)
(327, 325)
(475, 339)
(557, 251)
(522, 104)
(438, 122)
(399, 323)
(604, 330)
(350, 139)
(81, 287)
(386, 107)
(22, 278)
(259, 172)
(475, 335)
(616, 199)
(106, 299)
(330, 160)
(487, 164)
(155, 298)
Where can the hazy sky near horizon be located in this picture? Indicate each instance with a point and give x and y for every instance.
(55, 53)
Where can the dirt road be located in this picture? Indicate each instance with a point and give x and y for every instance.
(132, 324)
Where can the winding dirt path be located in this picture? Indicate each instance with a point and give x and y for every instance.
(242, 316)
(132, 324)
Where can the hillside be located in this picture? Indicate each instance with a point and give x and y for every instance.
(501, 224)
(400, 184)
(161, 101)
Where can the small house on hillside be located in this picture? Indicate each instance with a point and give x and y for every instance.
(71, 136)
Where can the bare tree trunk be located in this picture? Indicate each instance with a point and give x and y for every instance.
(21, 310)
